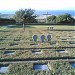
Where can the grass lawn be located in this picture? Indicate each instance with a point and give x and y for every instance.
(2, 27)
(18, 40)
(56, 27)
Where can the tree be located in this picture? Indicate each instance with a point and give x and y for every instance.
(65, 18)
(19, 15)
(51, 19)
(7, 21)
(25, 15)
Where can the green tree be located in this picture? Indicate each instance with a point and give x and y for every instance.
(25, 15)
(51, 19)
(65, 18)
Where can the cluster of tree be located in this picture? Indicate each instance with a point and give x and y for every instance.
(64, 18)
(25, 16)
(7, 21)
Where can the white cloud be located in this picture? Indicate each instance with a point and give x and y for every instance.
(37, 4)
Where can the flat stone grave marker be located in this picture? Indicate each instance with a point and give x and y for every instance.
(9, 52)
(72, 64)
(60, 51)
(36, 51)
(4, 69)
(39, 66)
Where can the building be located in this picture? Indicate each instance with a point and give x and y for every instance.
(42, 18)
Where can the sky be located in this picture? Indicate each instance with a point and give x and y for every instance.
(37, 4)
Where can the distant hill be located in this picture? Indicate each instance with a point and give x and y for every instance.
(55, 12)
(8, 16)
(39, 12)
(10, 13)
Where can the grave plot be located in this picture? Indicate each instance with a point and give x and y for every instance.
(9, 52)
(63, 39)
(60, 51)
(40, 66)
(13, 44)
(2, 39)
(63, 53)
(52, 43)
(72, 52)
(72, 64)
(72, 43)
(4, 68)
(36, 51)
(34, 44)
(36, 54)
(16, 39)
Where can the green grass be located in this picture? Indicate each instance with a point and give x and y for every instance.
(55, 68)
(17, 35)
(42, 26)
(2, 28)
(56, 27)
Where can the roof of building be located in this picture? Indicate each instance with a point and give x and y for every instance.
(43, 16)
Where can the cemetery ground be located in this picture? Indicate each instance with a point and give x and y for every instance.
(22, 53)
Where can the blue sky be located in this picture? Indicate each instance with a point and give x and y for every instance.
(37, 4)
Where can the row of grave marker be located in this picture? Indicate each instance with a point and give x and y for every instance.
(35, 37)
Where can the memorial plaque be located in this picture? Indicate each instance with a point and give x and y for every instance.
(48, 37)
(42, 38)
(35, 38)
